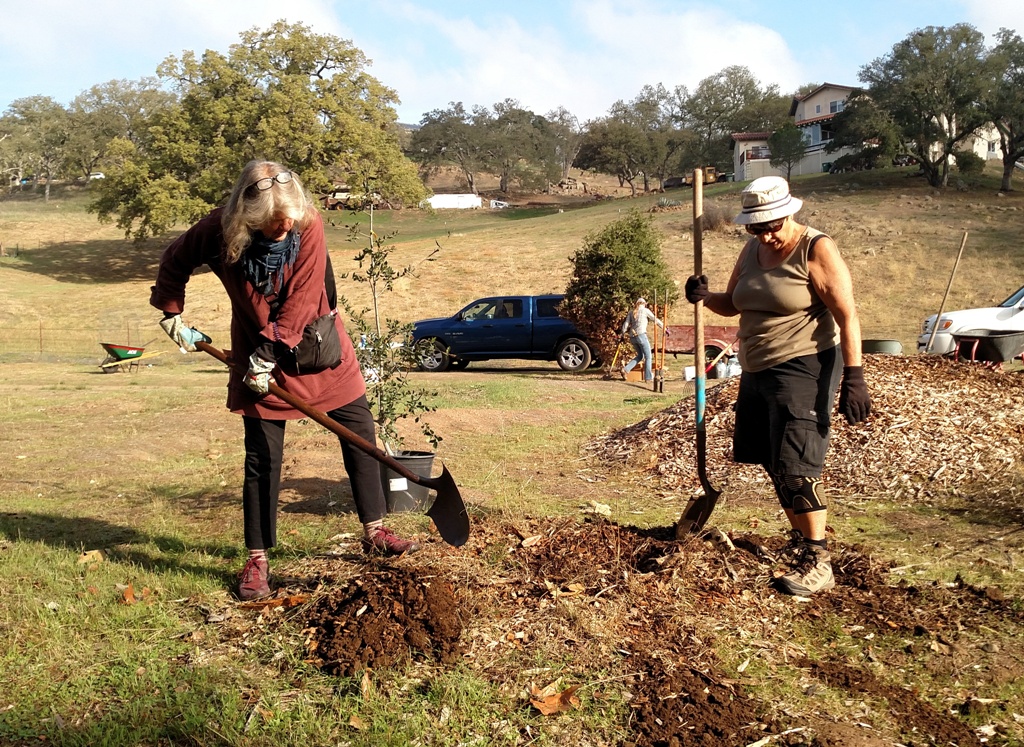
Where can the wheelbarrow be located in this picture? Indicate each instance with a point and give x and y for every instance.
(124, 357)
(982, 345)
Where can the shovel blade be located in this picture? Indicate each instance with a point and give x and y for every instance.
(448, 511)
(697, 513)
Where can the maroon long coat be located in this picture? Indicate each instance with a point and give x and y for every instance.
(305, 300)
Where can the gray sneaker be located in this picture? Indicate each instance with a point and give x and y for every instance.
(811, 573)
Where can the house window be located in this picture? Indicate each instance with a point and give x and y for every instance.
(991, 146)
(817, 108)
(826, 132)
(834, 107)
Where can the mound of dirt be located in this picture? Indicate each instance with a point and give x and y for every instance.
(685, 706)
(379, 617)
(936, 425)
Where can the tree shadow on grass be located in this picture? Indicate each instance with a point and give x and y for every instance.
(317, 496)
(121, 543)
(97, 261)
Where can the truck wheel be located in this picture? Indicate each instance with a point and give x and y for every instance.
(721, 369)
(432, 355)
(573, 355)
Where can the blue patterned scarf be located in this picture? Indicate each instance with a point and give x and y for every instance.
(264, 259)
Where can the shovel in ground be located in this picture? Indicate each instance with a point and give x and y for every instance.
(699, 509)
(447, 511)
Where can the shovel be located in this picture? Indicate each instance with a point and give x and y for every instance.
(447, 511)
(699, 509)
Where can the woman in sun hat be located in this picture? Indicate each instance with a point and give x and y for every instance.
(799, 341)
(267, 247)
(635, 327)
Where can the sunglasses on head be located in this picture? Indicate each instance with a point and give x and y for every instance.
(267, 182)
(774, 226)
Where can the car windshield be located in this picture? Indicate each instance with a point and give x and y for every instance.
(1015, 299)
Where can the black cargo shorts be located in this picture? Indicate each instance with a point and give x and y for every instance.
(784, 414)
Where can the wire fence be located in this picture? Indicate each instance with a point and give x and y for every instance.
(45, 341)
(67, 343)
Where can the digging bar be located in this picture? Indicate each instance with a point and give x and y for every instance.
(699, 509)
(448, 511)
(938, 315)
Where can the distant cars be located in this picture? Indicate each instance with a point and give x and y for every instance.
(1006, 317)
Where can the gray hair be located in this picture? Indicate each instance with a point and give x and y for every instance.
(249, 208)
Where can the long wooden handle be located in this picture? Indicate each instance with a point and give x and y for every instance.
(938, 315)
(335, 427)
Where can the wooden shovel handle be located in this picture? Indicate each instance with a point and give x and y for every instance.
(335, 427)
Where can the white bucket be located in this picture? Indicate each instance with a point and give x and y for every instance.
(690, 373)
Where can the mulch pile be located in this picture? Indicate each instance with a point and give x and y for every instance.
(936, 425)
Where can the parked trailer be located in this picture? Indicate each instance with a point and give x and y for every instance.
(720, 344)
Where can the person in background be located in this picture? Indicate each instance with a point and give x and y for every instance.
(800, 340)
(267, 247)
(635, 328)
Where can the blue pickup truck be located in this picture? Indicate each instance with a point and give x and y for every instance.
(520, 327)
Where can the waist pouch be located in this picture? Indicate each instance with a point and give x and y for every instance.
(320, 347)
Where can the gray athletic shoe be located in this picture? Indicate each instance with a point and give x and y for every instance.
(811, 573)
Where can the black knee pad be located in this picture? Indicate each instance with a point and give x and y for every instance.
(799, 494)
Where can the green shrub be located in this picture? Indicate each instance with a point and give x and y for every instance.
(969, 163)
(614, 267)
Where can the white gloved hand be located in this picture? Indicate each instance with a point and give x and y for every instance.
(184, 337)
(258, 376)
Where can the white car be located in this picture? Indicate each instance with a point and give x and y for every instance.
(1006, 317)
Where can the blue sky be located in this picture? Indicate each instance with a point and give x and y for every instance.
(581, 54)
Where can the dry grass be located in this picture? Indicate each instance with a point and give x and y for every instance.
(899, 236)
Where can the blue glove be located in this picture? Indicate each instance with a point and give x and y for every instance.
(258, 376)
(184, 337)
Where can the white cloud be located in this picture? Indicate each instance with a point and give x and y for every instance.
(988, 16)
(66, 46)
(606, 51)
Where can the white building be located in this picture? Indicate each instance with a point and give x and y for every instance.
(813, 114)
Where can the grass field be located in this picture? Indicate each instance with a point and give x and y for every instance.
(120, 521)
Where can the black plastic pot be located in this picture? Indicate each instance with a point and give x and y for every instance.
(885, 347)
(403, 494)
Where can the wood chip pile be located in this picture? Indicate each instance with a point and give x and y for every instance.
(936, 426)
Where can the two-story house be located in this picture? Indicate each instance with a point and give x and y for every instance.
(813, 114)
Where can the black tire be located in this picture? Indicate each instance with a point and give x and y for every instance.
(721, 369)
(573, 355)
(432, 355)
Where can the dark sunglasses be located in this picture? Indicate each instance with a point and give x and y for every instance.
(756, 229)
(267, 182)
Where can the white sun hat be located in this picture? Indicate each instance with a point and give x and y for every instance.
(767, 199)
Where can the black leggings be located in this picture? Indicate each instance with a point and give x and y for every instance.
(264, 453)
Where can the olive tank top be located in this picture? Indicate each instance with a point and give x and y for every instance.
(781, 315)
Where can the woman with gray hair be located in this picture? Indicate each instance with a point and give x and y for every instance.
(799, 341)
(268, 249)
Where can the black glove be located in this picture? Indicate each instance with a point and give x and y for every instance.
(697, 288)
(854, 402)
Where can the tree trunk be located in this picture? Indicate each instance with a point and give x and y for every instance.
(1009, 163)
